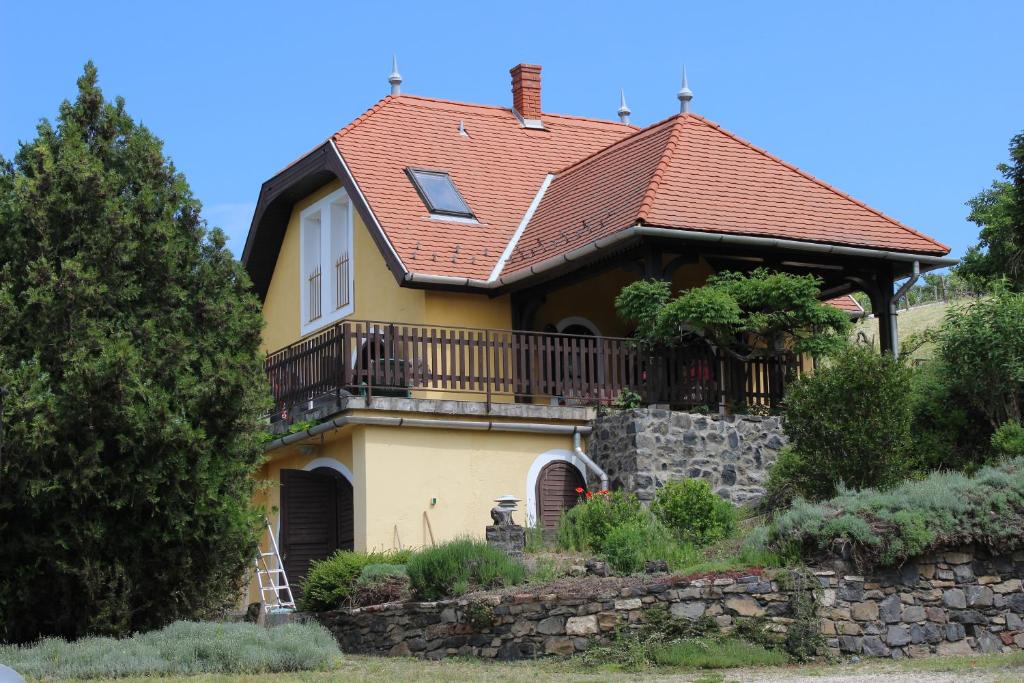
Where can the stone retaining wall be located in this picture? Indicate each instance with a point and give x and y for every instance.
(643, 448)
(951, 603)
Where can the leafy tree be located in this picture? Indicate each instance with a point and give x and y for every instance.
(999, 212)
(982, 348)
(760, 314)
(848, 422)
(130, 351)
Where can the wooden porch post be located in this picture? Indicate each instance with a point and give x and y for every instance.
(881, 304)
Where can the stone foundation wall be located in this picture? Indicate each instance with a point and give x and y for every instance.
(951, 603)
(642, 449)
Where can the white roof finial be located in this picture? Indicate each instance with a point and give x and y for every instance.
(684, 95)
(624, 111)
(395, 79)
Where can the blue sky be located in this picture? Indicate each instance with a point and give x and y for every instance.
(908, 106)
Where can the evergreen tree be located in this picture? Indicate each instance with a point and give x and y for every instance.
(129, 348)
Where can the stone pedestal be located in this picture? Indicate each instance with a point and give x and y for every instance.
(508, 538)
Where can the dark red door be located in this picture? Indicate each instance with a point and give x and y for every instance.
(556, 491)
(316, 518)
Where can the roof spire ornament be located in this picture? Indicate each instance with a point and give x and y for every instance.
(624, 111)
(684, 95)
(395, 79)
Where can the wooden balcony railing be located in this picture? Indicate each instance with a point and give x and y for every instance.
(394, 359)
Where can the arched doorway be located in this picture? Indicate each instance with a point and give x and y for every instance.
(317, 518)
(556, 491)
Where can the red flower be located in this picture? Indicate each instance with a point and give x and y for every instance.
(603, 492)
(579, 489)
(589, 494)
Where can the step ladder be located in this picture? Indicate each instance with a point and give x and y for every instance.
(275, 592)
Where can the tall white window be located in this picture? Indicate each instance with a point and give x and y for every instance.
(326, 273)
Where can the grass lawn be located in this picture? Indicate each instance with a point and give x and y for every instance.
(998, 668)
(910, 322)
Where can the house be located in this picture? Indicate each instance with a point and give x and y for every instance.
(438, 282)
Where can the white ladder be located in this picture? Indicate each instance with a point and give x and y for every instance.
(275, 592)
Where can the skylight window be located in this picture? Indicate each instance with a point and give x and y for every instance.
(438, 192)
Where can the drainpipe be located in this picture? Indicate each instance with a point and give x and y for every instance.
(591, 465)
(894, 310)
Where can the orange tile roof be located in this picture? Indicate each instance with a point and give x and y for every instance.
(688, 173)
(498, 169)
(848, 304)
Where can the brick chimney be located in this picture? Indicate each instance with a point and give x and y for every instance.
(526, 90)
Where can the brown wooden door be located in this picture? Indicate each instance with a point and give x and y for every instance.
(316, 519)
(556, 491)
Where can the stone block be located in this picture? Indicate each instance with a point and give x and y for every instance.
(692, 609)
(864, 611)
(913, 613)
(987, 641)
(874, 647)
(1016, 603)
(917, 651)
(551, 626)
(849, 628)
(953, 557)
(890, 609)
(968, 616)
(606, 621)
(559, 646)
(744, 607)
(960, 647)
(828, 627)
(628, 604)
(955, 632)
(581, 626)
(851, 644)
(1008, 586)
(897, 635)
(978, 596)
(954, 598)
(962, 573)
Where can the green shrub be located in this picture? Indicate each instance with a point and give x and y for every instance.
(183, 648)
(629, 546)
(888, 527)
(329, 582)
(458, 566)
(584, 526)
(1008, 440)
(790, 477)
(375, 572)
(627, 400)
(849, 422)
(949, 432)
(693, 512)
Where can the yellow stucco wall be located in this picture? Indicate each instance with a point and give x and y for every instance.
(464, 470)
(396, 471)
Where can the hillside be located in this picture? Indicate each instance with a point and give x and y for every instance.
(913, 321)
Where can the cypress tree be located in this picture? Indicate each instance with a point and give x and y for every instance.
(129, 349)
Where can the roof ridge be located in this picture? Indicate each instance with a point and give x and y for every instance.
(497, 107)
(659, 171)
(814, 179)
(608, 147)
(380, 104)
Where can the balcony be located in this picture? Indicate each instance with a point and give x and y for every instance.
(373, 358)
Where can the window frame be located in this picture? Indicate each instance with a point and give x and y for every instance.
(322, 208)
(411, 172)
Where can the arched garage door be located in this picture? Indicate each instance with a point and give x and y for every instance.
(316, 518)
(556, 491)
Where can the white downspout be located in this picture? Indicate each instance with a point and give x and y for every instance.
(894, 308)
(577, 448)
